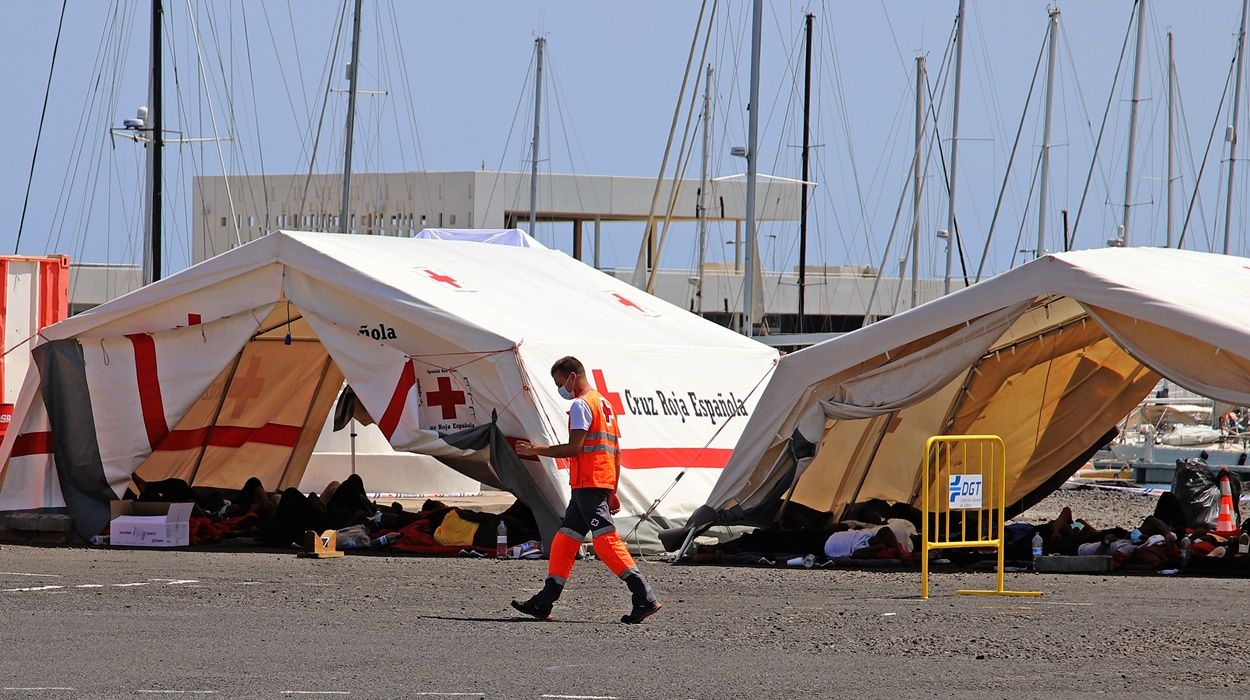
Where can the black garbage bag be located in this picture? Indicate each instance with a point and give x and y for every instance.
(1197, 488)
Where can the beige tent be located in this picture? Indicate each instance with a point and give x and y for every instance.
(1049, 356)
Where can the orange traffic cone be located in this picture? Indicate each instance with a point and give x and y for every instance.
(1226, 526)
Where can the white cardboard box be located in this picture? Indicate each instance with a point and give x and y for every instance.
(141, 524)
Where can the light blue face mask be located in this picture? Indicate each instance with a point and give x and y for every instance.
(566, 393)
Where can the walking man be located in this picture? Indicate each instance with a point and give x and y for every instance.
(595, 462)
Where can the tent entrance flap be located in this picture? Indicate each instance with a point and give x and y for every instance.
(259, 417)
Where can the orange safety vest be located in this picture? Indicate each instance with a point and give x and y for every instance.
(599, 464)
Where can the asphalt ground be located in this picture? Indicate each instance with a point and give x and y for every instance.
(98, 623)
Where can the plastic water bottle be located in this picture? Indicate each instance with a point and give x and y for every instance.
(1185, 544)
(519, 550)
(1243, 544)
(388, 538)
(99, 540)
(1037, 545)
(501, 540)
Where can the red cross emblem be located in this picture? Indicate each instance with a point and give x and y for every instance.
(614, 398)
(445, 398)
(245, 387)
(445, 279)
(626, 302)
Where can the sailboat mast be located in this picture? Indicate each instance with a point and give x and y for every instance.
(917, 183)
(1132, 120)
(1044, 190)
(703, 182)
(1232, 131)
(354, 73)
(753, 127)
(807, 136)
(539, 44)
(156, 143)
(950, 184)
(1171, 222)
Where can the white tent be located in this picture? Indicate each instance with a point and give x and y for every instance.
(1050, 356)
(498, 236)
(227, 370)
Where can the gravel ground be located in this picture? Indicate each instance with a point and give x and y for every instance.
(115, 623)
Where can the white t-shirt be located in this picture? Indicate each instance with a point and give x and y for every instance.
(579, 415)
(845, 543)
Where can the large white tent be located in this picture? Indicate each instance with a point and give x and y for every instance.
(227, 370)
(1050, 356)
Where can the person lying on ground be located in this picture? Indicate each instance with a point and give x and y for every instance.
(879, 542)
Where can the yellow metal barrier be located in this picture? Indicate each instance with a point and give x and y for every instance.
(973, 471)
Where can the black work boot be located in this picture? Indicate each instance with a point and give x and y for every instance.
(540, 605)
(644, 603)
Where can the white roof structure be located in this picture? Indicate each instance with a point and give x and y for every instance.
(1050, 356)
(227, 370)
(498, 236)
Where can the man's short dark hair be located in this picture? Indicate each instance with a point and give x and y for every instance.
(568, 365)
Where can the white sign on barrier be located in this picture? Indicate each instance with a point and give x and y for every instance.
(965, 491)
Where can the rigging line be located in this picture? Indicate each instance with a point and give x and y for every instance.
(286, 84)
(684, 155)
(1015, 249)
(30, 178)
(331, 61)
(1093, 161)
(103, 103)
(937, 139)
(647, 234)
(73, 164)
(212, 117)
(412, 110)
(1011, 159)
(260, 150)
(511, 130)
(846, 129)
(894, 37)
(1184, 119)
(228, 99)
(1080, 93)
(560, 107)
(1206, 155)
(943, 67)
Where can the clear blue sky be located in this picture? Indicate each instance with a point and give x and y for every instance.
(617, 66)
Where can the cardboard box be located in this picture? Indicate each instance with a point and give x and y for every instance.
(139, 524)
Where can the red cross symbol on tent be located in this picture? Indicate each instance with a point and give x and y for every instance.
(445, 279)
(245, 387)
(445, 398)
(626, 302)
(613, 397)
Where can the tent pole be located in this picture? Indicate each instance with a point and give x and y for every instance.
(353, 440)
(312, 403)
(221, 401)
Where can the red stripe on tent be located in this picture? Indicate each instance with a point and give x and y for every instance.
(675, 457)
(231, 436)
(395, 409)
(32, 444)
(658, 457)
(150, 401)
